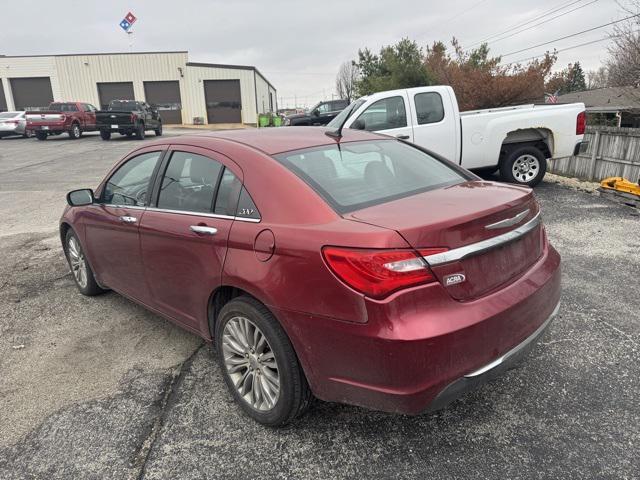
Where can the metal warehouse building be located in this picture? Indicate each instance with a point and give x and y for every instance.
(185, 92)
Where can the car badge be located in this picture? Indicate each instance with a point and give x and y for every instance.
(454, 279)
(508, 222)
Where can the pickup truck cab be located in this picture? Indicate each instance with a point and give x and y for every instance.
(72, 118)
(128, 117)
(320, 114)
(514, 140)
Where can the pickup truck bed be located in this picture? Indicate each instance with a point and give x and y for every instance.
(72, 118)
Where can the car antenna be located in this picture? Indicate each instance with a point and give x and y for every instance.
(337, 133)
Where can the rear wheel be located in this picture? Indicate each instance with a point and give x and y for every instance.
(140, 133)
(28, 134)
(524, 166)
(82, 273)
(105, 134)
(75, 132)
(41, 135)
(158, 130)
(259, 364)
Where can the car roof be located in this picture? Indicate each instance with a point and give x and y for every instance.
(277, 140)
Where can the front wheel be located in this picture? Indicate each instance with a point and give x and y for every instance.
(259, 364)
(158, 130)
(75, 132)
(105, 134)
(41, 135)
(524, 166)
(82, 273)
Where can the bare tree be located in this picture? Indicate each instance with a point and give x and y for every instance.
(597, 78)
(346, 80)
(624, 63)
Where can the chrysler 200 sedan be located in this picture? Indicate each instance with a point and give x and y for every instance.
(359, 269)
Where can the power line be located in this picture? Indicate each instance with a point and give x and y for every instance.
(461, 13)
(543, 22)
(570, 36)
(561, 50)
(516, 26)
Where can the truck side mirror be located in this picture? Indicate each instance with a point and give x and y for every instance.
(316, 113)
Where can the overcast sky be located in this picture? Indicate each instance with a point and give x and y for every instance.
(299, 44)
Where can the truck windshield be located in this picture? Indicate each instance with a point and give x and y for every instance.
(124, 105)
(63, 107)
(355, 175)
(342, 116)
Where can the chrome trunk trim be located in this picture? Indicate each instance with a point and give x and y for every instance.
(479, 247)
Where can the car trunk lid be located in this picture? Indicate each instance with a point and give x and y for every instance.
(492, 232)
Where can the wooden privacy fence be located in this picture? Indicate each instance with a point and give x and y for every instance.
(612, 152)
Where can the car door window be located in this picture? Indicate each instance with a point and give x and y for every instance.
(384, 114)
(429, 108)
(130, 183)
(228, 193)
(189, 183)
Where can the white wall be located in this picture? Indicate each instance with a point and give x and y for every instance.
(75, 78)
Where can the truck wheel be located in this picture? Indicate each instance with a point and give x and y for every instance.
(140, 131)
(41, 135)
(158, 130)
(105, 134)
(75, 132)
(524, 166)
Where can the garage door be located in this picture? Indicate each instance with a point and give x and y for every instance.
(223, 101)
(166, 96)
(3, 99)
(108, 91)
(31, 93)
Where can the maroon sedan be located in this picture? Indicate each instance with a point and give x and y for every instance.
(359, 269)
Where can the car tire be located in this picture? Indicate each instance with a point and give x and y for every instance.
(75, 132)
(158, 130)
(140, 133)
(524, 166)
(129, 134)
(27, 134)
(80, 269)
(41, 135)
(257, 395)
(105, 134)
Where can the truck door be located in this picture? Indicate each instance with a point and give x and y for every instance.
(435, 121)
(388, 115)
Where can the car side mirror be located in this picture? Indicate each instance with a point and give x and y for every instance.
(357, 125)
(316, 113)
(78, 198)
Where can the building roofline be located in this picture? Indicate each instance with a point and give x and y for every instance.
(94, 54)
(237, 67)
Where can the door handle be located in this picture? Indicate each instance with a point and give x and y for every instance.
(403, 137)
(128, 219)
(203, 230)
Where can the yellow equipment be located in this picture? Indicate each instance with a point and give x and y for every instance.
(621, 185)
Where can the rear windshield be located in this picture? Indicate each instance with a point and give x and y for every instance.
(63, 107)
(355, 175)
(123, 105)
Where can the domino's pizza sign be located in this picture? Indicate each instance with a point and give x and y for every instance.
(128, 21)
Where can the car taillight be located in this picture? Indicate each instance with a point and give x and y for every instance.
(377, 273)
(581, 123)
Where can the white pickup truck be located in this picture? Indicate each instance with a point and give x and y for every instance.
(515, 140)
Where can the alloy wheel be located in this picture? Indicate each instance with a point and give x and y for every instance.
(251, 363)
(525, 168)
(77, 262)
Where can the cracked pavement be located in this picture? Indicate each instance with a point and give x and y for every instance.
(100, 388)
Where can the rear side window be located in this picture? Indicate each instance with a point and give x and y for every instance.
(429, 108)
(64, 107)
(129, 184)
(384, 114)
(228, 193)
(246, 207)
(189, 183)
(361, 174)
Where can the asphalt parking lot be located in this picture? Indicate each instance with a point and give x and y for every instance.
(100, 388)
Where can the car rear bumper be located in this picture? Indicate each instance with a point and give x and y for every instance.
(50, 128)
(431, 348)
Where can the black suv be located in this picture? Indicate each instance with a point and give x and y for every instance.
(321, 114)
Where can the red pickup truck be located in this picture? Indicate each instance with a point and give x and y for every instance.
(70, 117)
